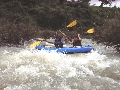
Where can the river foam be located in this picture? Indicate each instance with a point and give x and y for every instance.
(25, 69)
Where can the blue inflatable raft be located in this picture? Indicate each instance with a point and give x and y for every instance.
(68, 50)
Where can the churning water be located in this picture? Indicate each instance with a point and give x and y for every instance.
(25, 69)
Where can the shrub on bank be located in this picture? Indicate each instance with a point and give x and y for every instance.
(16, 33)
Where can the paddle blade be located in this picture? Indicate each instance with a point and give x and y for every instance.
(72, 23)
(90, 30)
(33, 45)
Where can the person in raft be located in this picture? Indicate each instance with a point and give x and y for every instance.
(63, 38)
(59, 41)
(76, 41)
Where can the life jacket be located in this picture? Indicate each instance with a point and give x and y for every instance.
(77, 43)
(58, 44)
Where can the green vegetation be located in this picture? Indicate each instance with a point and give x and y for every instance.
(21, 20)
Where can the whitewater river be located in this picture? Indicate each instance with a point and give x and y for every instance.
(25, 69)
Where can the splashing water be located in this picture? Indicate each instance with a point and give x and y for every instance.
(24, 69)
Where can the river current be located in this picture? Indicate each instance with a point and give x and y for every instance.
(25, 69)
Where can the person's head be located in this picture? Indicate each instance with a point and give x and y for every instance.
(75, 38)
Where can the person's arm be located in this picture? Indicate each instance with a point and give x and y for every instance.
(79, 37)
(62, 33)
(49, 41)
(70, 42)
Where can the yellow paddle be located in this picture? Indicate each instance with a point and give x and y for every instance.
(33, 45)
(73, 23)
(90, 30)
(39, 40)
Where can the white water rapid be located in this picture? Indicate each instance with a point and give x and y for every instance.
(25, 69)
